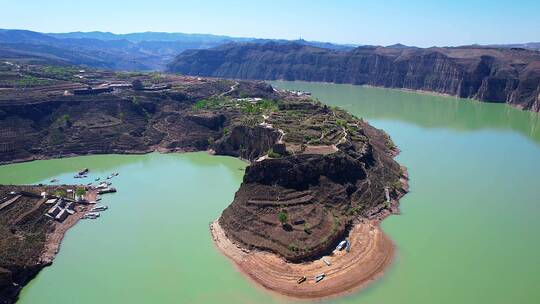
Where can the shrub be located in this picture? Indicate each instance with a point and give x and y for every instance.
(282, 216)
(273, 154)
(60, 192)
(80, 191)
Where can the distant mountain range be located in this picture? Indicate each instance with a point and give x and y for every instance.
(136, 51)
(495, 74)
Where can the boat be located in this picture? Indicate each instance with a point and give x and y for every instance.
(83, 171)
(91, 215)
(115, 174)
(327, 262)
(341, 245)
(348, 246)
(103, 185)
(301, 280)
(109, 177)
(319, 278)
(97, 179)
(54, 180)
(99, 208)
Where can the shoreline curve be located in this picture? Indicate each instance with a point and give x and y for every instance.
(372, 251)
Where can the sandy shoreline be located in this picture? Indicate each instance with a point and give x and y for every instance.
(371, 253)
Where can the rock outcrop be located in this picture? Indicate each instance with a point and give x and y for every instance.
(503, 75)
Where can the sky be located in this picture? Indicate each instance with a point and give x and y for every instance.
(412, 22)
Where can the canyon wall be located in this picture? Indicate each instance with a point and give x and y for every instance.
(499, 75)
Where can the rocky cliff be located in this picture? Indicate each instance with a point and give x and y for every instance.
(503, 75)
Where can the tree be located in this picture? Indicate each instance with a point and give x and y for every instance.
(80, 191)
(282, 216)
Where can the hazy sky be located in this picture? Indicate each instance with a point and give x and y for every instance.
(412, 22)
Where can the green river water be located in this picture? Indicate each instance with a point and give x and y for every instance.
(468, 233)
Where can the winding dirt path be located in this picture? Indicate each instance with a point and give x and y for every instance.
(371, 253)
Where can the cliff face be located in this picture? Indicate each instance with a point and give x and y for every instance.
(489, 74)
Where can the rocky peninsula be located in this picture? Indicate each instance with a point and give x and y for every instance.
(317, 175)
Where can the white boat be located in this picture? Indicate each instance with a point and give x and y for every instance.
(91, 215)
(327, 262)
(348, 246)
(319, 278)
(99, 208)
(341, 245)
(97, 179)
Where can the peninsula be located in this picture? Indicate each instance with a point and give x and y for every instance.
(319, 178)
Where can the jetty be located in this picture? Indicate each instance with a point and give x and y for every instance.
(107, 190)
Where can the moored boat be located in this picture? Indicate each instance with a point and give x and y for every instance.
(326, 261)
(341, 245)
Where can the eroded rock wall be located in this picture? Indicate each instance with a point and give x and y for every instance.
(494, 75)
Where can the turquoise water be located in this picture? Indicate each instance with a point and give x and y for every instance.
(469, 229)
(153, 245)
(468, 233)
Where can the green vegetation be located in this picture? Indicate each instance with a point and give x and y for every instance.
(67, 120)
(156, 78)
(147, 114)
(135, 100)
(58, 72)
(335, 224)
(246, 107)
(282, 216)
(341, 122)
(80, 191)
(307, 228)
(356, 210)
(31, 81)
(209, 103)
(258, 107)
(293, 247)
(273, 154)
(60, 192)
(127, 75)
